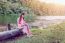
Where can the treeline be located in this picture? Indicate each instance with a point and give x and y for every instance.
(44, 8)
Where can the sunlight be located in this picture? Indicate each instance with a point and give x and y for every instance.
(61, 2)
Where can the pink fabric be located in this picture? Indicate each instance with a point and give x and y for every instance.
(26, 29)
(19, 25)
(22, 24)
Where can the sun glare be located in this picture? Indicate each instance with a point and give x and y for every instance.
(61, 2)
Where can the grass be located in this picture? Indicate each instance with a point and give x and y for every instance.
(52, 34)
(39, 37)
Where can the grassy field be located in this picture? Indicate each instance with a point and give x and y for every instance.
(52, 34)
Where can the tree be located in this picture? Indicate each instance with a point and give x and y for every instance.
(44, 8)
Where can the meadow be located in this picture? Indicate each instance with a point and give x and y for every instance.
(52, 34)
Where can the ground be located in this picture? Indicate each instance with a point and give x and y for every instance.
(52, 34)
(3, 28)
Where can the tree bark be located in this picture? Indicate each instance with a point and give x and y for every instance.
(9, 34)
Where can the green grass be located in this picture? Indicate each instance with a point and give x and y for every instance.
(53, 34)
(4, 19)
(38, 37)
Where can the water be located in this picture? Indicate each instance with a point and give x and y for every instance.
(51, 17)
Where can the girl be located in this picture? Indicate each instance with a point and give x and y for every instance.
(23, 25)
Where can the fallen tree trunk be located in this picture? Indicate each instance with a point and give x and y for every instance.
(10, 34)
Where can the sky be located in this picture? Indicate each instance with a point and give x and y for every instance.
(60, 2)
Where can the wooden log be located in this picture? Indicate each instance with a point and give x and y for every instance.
(10, 34)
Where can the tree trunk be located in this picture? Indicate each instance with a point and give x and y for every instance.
(9, 34)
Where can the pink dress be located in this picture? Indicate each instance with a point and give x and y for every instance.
(26, 29)
(21, 23)
(24, 25)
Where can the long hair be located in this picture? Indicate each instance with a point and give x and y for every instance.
(21, 16)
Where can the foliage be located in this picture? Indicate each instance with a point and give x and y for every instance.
(10, 10)
(7, 7)
(45, 9)
(30, 17)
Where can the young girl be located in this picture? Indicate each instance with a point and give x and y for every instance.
(20, 21)
(23, 25)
